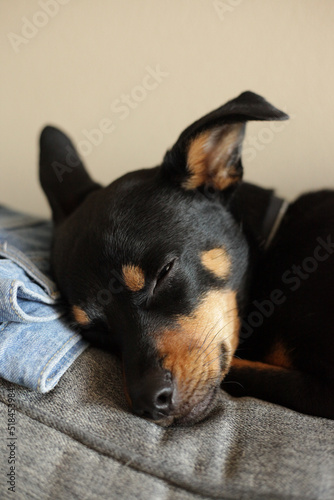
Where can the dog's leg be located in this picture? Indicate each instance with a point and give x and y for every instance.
(290, 388)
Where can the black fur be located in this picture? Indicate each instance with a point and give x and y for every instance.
(148, 219)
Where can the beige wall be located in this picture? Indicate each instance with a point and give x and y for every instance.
(85, 55)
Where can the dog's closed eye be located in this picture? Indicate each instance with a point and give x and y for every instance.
(163, 273)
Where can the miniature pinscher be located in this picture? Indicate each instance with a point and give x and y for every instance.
(200, 281)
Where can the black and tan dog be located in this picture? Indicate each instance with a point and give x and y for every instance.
(200, 281)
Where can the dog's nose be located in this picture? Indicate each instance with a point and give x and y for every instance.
(153, 395)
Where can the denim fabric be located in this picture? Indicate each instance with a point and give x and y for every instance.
(36, 344)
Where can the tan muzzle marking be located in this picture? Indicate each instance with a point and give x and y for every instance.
(192, 351)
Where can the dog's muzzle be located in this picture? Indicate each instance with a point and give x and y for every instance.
(153, 395)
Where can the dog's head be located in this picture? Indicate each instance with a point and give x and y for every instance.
(157, 259)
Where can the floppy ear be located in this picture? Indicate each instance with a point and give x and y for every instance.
(208, 152)
(62, 175)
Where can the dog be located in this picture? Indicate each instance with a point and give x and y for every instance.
(198, 280)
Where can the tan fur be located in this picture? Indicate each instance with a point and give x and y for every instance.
(134, 277)
(258, 365)
(80, 316)
(197, 162)
(208, 158)
(217, 261)
(278, 356)
(192, 350)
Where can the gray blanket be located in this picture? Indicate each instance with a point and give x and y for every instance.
(80, 442)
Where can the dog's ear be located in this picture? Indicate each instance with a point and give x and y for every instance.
(62, 175)
(208, 152)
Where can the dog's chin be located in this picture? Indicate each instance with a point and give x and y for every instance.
(197, 413)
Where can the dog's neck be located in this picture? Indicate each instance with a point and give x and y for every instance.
(259, 212)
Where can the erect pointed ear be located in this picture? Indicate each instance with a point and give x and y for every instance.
(208, 152)
(62, 175)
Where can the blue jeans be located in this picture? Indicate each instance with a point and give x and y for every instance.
(36, 344)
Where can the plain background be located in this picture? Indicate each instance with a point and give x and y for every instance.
(71, 63)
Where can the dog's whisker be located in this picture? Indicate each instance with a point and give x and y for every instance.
(207, 335)
(215, 336)
(232, 382)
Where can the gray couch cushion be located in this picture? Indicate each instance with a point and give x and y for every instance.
(80, 441)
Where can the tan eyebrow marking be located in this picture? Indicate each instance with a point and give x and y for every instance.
(80, 316)
(217, 261)
(134, 277)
